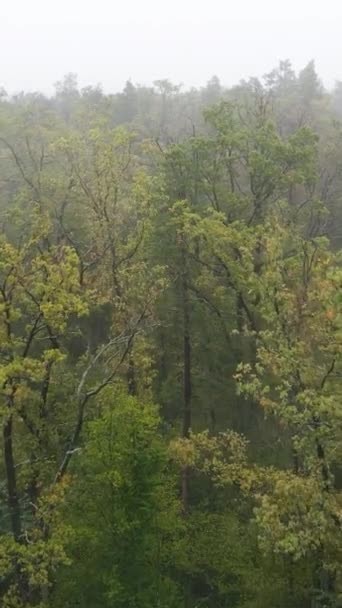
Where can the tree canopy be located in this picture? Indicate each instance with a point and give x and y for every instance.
(171, 345)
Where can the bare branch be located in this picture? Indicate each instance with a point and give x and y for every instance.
(83, 397)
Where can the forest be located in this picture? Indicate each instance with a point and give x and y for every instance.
(171, 345)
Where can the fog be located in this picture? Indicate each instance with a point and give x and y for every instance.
(187, 41)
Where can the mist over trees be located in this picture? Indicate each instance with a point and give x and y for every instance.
(171, 344)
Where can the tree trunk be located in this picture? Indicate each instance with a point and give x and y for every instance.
(131, 381)
(12, 493)
(187, 386)
(14, 504)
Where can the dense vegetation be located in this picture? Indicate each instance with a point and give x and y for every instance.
(171, 340)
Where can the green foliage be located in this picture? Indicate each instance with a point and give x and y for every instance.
(154, 250)
(124, 512)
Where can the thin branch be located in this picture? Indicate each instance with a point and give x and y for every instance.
(329, 371)
(84, 398)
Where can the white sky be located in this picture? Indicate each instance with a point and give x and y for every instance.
(187, 41)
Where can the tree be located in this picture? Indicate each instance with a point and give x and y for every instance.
(47, 282)
(309, 85)
(39, 294)
(123, 511)
(295, 379)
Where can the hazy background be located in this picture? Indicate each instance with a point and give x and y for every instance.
(187, 41)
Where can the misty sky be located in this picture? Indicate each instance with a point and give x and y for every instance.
(187, 41)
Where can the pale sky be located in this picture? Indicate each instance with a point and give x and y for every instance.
(187, 41)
